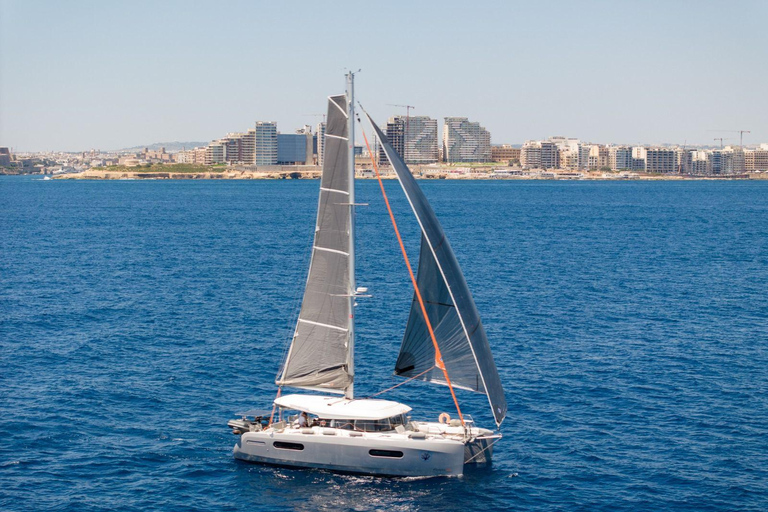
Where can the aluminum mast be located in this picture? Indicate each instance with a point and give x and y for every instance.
(350, 391)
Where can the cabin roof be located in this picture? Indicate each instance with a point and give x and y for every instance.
(332, 407)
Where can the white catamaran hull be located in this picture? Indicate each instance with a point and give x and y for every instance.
(384, 454)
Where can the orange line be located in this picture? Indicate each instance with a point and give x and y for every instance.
(438, 356)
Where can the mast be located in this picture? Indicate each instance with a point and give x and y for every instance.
(350, 391)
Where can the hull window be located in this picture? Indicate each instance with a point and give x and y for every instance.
(288, 446)
(392, 454)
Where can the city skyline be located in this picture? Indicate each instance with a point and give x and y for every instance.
(87, 75)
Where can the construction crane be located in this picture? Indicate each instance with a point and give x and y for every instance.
(740, 132)
(741, 136)
(406, 107)
(721, 139)
(315, 115)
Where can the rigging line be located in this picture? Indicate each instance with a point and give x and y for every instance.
(438, 355)
(274, 405)
(402, 383)
(481, 451)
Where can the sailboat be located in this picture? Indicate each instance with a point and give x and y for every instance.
(444, 343)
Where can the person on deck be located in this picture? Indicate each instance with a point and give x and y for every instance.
(303, 422)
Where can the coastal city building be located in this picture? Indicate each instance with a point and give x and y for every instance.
(550, 156)
(465, 141)
(659, 160)
(620, 158)
(540, 154)
(683, 160)
(701, 163)
(571, 153)
(505, 153)
(5, 157)
(420, 140)
(530, 155)
(756, 159)
(320, 142)
(414, 138)
(295, 148)
(598, 157)
(265, 143)
(395, 132)
(638, 158)
(216, 152)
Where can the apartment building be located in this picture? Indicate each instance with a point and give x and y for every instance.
(295, 148)
(530, 154)
(620, 158)
(505, 153)
(320, 137)
(660, 160)
(265, 143)
(420, 142)
(756, 159)
(465, 141)
(216, 152)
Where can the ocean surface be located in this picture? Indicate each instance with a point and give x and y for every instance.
(629, 322)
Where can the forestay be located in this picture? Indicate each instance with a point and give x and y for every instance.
(449, 304)
(318, 356)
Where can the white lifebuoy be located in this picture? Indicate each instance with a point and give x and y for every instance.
(444, 418)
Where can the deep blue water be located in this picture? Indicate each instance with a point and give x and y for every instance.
(629, 323)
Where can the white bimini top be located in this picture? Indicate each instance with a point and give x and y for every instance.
(337, 408)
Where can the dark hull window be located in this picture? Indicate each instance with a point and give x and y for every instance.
(392, 454)
(288, 446)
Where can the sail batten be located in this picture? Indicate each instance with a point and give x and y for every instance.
(449, 305)
(318, 357)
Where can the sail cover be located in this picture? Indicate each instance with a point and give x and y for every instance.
(450, 307)
(318, 356)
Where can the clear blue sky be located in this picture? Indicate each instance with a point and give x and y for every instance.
(78, 74)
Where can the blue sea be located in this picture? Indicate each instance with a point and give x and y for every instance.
(629, 322)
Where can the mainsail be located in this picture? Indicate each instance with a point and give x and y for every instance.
(450, 307)
(319, 354)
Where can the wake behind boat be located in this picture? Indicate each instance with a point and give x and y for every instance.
(444, 343)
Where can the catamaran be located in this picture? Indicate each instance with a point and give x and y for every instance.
(444, 343)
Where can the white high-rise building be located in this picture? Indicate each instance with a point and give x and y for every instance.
(320, 134)
(464, 141)
(265, 143)
(620, 158)
(701, 163)
(420, 140)
(216, 152)
(737, 159)
(530, 154)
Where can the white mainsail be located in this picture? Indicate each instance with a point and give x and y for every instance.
(449, 304)
(319, 355)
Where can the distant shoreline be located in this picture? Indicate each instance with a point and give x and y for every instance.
(433, 174)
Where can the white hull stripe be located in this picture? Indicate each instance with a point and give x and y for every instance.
(342, 329)
(330, 250)
(334, 190)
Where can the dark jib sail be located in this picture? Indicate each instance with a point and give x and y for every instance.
(318, 356)
(450, 307)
